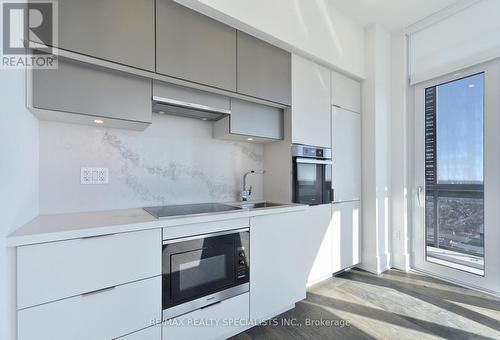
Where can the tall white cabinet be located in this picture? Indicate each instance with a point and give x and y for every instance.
(310, 103)
(346, 172)
(326, 112)
(346, 146)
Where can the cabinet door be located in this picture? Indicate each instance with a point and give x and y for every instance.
(263, 70)
(310, 103)
(211, 322)
(121, 31)
(277, 275)
(194, 47)
(318, 242)
(346, 92)
(345, 235)
(346, 146)
(81, 88)
(248, 119)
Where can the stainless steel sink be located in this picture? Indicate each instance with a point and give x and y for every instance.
(258, 205)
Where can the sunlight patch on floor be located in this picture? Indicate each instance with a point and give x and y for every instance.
(376, 328)
(393, 300)
(481, 310)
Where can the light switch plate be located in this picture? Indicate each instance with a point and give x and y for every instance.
(94, 175)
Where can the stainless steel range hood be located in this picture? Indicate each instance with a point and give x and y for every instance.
(186, 109)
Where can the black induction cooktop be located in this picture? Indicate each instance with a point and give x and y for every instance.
(189, 209)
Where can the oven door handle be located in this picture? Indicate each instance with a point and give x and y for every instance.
(313, 161)
(196, 237)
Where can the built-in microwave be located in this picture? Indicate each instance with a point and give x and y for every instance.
(202, 270)
(312, 174)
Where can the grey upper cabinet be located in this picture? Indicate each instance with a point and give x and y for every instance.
(346, 92)
(263, 70)
(120, 31)
(84, 89)
(258, 122)
(194, 47)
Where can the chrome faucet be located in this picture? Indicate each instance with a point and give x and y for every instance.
(245, 194)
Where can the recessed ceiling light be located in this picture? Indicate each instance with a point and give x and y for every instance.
(204, 119)
(162, 112)
(98, 121)
(472, 85)
(250, 139)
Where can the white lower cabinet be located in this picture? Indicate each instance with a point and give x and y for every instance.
(346, 235)
(105, 314)
(318, 243)
(56, 270)
(277, 265)
(218, 321)
(150, 333)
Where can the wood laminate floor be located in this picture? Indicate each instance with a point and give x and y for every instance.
(394, 305)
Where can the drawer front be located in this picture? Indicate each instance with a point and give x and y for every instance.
(57, 270)
(211, 322)
(150, 333)
(107, 314)
(204, 228)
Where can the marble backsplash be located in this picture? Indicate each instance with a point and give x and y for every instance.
(174, 161)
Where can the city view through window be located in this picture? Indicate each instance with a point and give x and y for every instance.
(454, 156)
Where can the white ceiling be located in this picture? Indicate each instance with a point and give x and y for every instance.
(392, 14)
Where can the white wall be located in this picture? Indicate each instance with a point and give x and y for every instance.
(19, 188)
(174, 161)
(312, 28)
(466, 38)
(376, 139)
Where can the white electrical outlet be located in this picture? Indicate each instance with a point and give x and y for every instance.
(94, 176)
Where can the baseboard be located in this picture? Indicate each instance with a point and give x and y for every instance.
(384, 262)
(311, 283)
(368, 269)
(381, 264)
(401, 262)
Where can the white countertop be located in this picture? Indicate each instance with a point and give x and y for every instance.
(49, 228)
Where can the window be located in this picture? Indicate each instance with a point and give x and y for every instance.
(454, 158)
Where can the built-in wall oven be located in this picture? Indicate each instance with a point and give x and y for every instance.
(202, 270)
(312, 174)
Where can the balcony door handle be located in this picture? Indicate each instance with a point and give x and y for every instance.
(420, 189)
